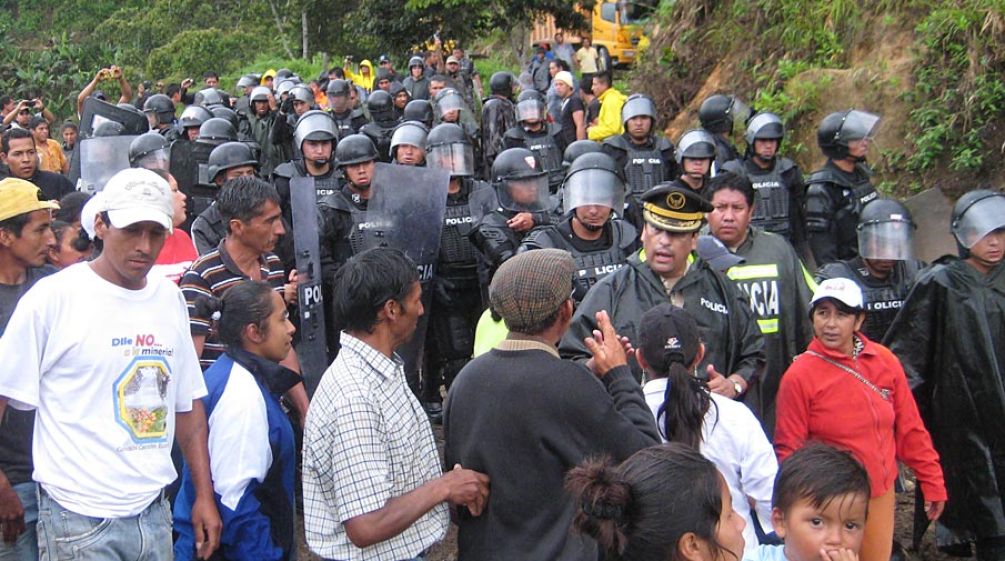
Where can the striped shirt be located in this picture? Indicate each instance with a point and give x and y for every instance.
(211, 275)
(366, 441)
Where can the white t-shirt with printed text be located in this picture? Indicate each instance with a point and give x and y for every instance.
(106, 368)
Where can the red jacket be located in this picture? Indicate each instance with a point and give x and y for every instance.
(818, 401)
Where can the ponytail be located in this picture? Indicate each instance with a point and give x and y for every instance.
(604, 501)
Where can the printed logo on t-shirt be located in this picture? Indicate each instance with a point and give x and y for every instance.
(141, 391)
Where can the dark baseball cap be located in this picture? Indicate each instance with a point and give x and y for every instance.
(668, 334)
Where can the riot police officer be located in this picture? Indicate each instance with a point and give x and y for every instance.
(408, 144)
(216, 131)
(298, 101)
(456, 302)
(885, 267)
(534, 133)
(776, 180)
(498, 116)
(695, 155)
(315, 138)
(347, 119)
(258, 126)
(600, 242)
(160, 112)
(381, 109)
(356, 157)
(646, 158)
(717, 114)
(419, 110)
(227, 161)
(149, 151)
(836, 193)
(191, 119)
(521, 185)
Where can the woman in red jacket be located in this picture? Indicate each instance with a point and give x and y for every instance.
(851, 393)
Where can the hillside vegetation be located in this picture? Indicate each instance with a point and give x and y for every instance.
(932, 69)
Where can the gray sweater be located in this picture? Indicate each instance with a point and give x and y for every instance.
(525, 418)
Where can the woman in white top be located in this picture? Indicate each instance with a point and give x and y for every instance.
(723, 430)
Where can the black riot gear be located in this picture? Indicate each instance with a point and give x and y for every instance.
(501, 83)
(149, 151)
(764, 126)
(638, 105)
(594, 179)
(522, 182)
(838, 129)
(338, 88)
(419, 110)
(777, 196)
(230, 155)
(162, 106)
(530, 94)
(834, 198)
(315, 125)
(302, 93)
(448, 148)
(381, 106)
(355, 149)
(194, 116)
(695, 144)
(227, 113)
(718, 111)
(216, 131)
(577, 149)
(412, 133)
(886, 231)
(209, 97)
(975, 215)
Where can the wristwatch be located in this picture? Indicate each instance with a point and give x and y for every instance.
(737, 388)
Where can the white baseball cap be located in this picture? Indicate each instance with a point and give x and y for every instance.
(137, 195)
(845, 291)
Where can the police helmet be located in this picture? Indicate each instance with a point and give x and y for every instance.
(412, 133)
(302, 93)
(594, 179)
(230, 155)
(975, 215)
(217, 131)
(162, 106)
(501, 83)
(578, 148)
(638, 105)
(260, 93)
(194, 116)
(314, 125)
(764, 126)
(885, 231)
(209, 97)
(145, 145)
(449, 148)
(355, 149)
(530, 94)
(695, 144)
(246, 82)
(226, 113)
(419, 110)
(716, 113)
(842, 127)
(284, 87)
(338, 87)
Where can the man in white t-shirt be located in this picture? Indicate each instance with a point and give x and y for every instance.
(102, 352)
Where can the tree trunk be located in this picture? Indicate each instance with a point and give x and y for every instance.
(303, 32)
(280, 30)
(325, 61)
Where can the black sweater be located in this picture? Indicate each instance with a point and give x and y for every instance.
(525, 418)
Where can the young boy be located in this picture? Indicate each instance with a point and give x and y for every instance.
(820, 503)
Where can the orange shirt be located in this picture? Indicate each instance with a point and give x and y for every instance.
(51, 158)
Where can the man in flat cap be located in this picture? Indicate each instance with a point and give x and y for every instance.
(543, 415)
(667, 269)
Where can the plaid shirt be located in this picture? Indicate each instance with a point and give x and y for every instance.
(367, 440)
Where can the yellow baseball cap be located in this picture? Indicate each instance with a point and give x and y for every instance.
(18, 196)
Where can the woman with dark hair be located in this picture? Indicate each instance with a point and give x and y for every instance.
(723, 430)
(851, 393)
(251, 444)
(70, 248)
(664, 502)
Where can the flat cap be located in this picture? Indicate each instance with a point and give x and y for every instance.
(529, 287)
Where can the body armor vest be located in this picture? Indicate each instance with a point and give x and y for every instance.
(458, 258)
(324, 185)
(545, 147)
(848, 203)
(771, 194)
(882, 302)
(644, 167)
(593, 265)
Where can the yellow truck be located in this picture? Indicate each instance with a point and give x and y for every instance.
(615, 28)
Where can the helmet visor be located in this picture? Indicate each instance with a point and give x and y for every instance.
(982, 218)
(158, 159)
(456, 158)
(451, 103)
(594, 187)
(892, 240)
(764, 125)
(858, 125)
(530, 110)
(408, 135)
(525, 194)
(740, 112)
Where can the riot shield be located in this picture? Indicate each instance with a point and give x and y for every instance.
(188, 166)
(406, 212)
(311, 350)
(96, 112)
(99, 159)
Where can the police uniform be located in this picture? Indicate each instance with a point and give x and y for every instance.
(348, 122)
(834, 199)
(645, 165)
(544, 145)
(779, 289)
(498, 116)
(734, 344)
(594, 259)
(780, 196)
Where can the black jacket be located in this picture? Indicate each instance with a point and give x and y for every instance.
(733, 341)
(948, 336)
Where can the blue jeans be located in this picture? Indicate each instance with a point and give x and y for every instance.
(65, 535)
(26, 546)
